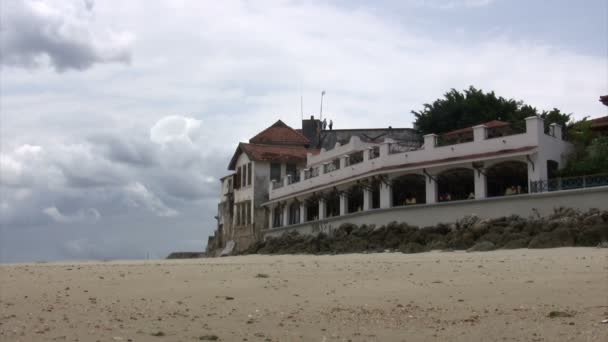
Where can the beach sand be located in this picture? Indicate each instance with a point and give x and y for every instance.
(435, 296)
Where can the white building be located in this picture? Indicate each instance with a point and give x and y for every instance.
(441, 180)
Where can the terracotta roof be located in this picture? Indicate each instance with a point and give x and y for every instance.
(410, 165)
(599, 122)
(274, 153)
(489, 124)
(280, 134)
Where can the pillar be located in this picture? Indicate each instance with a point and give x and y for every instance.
(556, 131)
(343, 204)
(385, 195)
(430, 141)
(321, 209)
(431, 190)
(480, 185)
(367, 199)
(285, 217)
(302, 212)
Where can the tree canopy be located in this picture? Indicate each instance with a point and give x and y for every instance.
(473, 106)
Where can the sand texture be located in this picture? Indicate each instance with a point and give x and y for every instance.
(516, 295)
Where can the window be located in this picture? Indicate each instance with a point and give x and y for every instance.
(230, 185)
(244, 175)
(275, 171)
(237, 178)
(277, 217)
(249, 171)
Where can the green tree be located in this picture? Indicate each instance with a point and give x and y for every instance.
(473, 106)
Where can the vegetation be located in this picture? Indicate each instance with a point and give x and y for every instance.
(473, 106)
(590, 154)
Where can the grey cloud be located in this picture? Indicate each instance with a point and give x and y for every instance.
(136, 152)
(62, 32)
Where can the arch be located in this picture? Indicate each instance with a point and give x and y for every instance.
(408, 189)
(312, 209)
(277, 216)
(354, 198)
(294, 212)
(332, 204)
(507, 178)
(456, 184)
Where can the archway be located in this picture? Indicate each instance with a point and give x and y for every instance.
(294, 212)
(409, 189)
(455, 184)
(312, 209)
(332, 204)
(355, 199)
(507, 178)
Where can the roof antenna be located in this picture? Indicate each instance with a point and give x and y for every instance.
(301, 102)
(321, 111)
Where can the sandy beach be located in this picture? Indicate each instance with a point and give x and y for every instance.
(436, 296)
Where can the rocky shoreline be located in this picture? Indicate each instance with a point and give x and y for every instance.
(565, 227)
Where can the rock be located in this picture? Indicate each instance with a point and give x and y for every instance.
(593, 220)
(555, 314)
(480, 227)
(592, 236)
(482, 246)
(516, 244)
(557, 238)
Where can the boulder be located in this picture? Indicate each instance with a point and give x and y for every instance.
(517, 243)
(482, 246)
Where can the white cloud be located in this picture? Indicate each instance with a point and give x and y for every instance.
(139, 196)
(175, 129)
(61, 32)
(86, 215)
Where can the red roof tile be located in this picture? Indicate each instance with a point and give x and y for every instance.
(489, 124)
(599, 122)
(280, 134)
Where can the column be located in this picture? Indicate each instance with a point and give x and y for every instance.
(430, 141)
(285, 214)
(343, 204)
(367, 199)
(480, 185)
(271, 221)
(479, 133)
(302, 212)
(321, 209)
(385, 195)
(431, 190)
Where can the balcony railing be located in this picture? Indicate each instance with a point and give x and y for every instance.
(277, 184)
(311, 173)
(569, 183)
(332, 166)
(293, 178)
(354, 158)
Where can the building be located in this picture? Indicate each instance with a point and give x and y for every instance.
(440, 180)
(275, 157)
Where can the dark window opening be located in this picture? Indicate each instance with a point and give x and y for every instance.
(456, 184)
(332, 204)
(312, 210)
(277, 217)
(294, 213)
(249, 171)
(409, 189)
(355, 199)
(275, 172)
(507, 178)
(552, 167)
(375, 195)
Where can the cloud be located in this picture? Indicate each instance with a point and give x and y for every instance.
(139, 196)
(86, 215)
(63, 32)
(175, 129)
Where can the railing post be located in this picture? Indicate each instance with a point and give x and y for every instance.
(430, 141)
(479, 133)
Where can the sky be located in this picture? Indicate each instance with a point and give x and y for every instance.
(117, 118)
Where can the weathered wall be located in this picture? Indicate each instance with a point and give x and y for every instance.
(431, 214)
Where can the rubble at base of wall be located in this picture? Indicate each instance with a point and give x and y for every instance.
(565, 227)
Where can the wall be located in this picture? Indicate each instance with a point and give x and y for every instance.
(431, 214)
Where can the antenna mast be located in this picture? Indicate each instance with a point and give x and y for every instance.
(321, 110)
